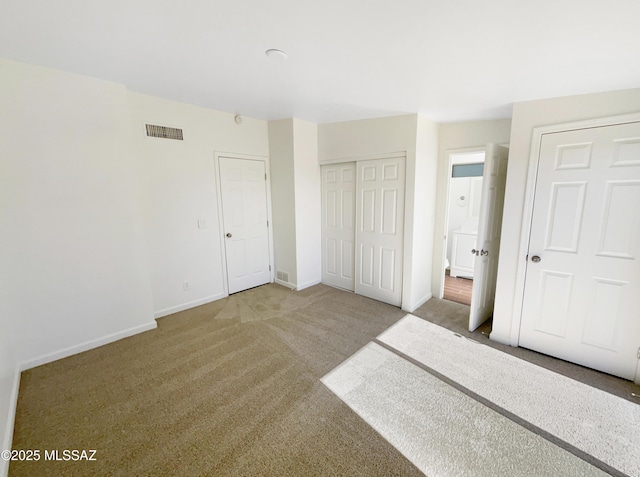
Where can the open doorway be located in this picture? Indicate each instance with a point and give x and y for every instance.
(461, 224)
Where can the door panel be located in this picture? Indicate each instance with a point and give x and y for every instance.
(338, 232)
(485, 268)
(582, 296)
(244, 216)
(379, 233)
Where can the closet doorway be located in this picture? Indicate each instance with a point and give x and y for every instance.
(363, 227)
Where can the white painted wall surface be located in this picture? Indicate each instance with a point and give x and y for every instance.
(452, 136)
(308, 217)
(9, 382)
(74, 269)
(419, 255)
(526, 116)
(354, 139)
(283, 198)
(178, 183)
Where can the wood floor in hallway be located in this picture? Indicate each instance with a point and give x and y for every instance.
(457, 289)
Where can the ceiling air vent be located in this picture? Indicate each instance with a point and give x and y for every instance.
(164, 131)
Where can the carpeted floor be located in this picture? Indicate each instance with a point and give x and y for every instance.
(442, 430)
(594, 425)
(229, 388)
(455, 317)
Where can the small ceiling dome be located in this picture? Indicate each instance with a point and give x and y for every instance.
(277, 55)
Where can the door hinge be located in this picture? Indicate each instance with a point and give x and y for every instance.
(265, 176)
(638, 353)
(267, 223)
(269, 267)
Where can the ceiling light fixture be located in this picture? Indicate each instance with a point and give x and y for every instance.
(276, 55)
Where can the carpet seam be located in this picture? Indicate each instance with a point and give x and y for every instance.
(509, 415)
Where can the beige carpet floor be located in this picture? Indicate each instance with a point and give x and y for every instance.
(455, 317)
(229, 388)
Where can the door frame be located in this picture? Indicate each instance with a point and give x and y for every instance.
(527, 212)
(223, 251)
(445, 229)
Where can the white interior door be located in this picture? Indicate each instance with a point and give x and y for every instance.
(485, 270)
(246, 234)
(582, 282)
(379, 229)
(338, 217)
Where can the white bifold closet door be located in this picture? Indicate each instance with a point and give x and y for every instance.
(379, 229)
(362, 227)
(338, 220)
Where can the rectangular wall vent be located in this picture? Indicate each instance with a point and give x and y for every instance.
(284, 276)
(164, 132)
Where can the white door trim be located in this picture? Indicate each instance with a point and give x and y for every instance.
(223, 252)
(527, 212)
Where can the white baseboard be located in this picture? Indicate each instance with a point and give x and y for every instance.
(191, 304)
(11, 418)
(87, 345)
(418, 304)
(307, 284)
(285, 284)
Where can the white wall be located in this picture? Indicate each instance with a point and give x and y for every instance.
(526, 116)
(452, 137)
(283, 198)
(367, 137)
(416, 137)
(423, 207)
(178, 180)
(308, 197)
(295, 195)
(9, 382)
(74, 268)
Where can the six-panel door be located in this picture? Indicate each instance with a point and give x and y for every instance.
(338, 220)
(582, 285)
(244, 216)
(379, 229)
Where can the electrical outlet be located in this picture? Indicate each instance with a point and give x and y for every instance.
(186, 285)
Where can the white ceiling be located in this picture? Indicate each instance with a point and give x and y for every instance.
(449, 60)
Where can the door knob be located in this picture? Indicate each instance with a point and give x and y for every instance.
(535, 259)
(229, 235)
(484, 252)
(474, 251)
